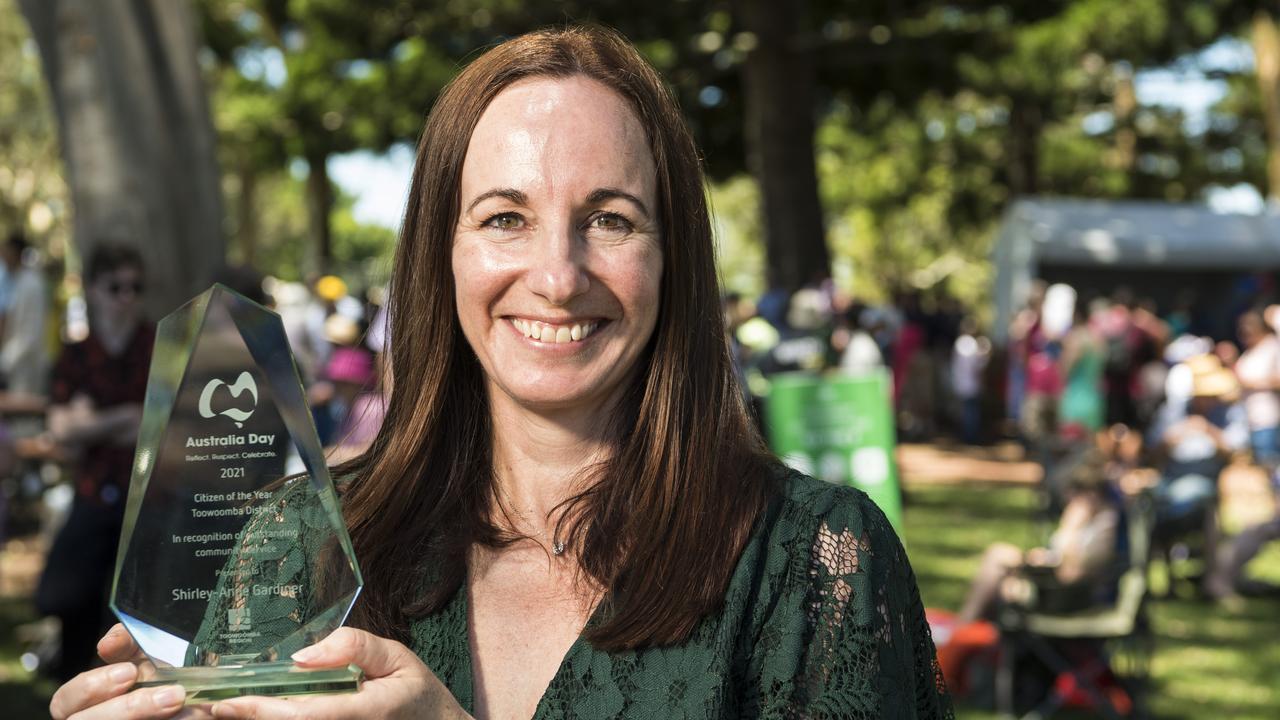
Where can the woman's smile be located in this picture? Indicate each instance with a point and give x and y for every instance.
(544, 332)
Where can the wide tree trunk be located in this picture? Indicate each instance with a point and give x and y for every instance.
(1266, 59)
(137, 138)
(778, 90)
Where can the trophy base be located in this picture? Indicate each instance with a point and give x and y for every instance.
(275, 679)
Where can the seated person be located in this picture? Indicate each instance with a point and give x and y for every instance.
(1197, 445)
(1075, 565)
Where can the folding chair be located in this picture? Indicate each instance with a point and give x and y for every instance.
(1109, 633)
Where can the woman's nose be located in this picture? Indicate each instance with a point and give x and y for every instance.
(557, 268)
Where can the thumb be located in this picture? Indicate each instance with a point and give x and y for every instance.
(377, 657)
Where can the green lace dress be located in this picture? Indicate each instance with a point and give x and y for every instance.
(822, 620)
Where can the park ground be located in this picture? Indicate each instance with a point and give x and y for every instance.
(1209, 662)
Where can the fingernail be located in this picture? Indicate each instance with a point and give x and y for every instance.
(306, 654)
(169, 696)
(122, 673)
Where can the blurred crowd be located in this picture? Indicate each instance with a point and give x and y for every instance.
(73, 379)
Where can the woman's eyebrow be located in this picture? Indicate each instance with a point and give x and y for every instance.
(511, 194)
(600, 195)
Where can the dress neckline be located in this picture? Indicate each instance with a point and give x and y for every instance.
(467, 669)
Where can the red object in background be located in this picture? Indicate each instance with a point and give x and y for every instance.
(960, 645)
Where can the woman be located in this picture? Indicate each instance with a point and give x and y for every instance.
(567, 512)
(1083, 361)
(1067, 574)
(1258, 370)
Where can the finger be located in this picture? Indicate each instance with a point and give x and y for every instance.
(377, 657)
(142, 704)
(118, 645)
(92, 687)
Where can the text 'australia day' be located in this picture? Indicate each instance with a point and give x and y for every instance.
(230, 440)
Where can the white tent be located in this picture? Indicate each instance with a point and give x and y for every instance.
(1132, 235)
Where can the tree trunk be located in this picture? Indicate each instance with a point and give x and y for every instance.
(319, 206)
(1023, 158)
(1266, 59)
(1124, 105)
(247, 225)
(137, 138)
(778, 89)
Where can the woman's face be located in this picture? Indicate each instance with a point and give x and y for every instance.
(556, 255)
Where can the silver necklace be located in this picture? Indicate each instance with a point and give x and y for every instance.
(557, 545)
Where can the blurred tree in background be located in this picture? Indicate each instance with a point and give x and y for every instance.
(883, 139)
(137, 142)
(32, 193)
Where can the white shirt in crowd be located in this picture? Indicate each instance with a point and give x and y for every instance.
(968, 360)
(24, 359)
(1260, 364)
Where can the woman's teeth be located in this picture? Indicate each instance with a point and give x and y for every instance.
(542, 332)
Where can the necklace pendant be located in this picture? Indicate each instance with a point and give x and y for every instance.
(557, 548)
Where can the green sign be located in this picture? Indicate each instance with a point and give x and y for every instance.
(838, 428)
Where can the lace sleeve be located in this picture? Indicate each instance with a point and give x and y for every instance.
(849, 626)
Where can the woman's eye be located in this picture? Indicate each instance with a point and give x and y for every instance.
(505, 221)
(610, 221)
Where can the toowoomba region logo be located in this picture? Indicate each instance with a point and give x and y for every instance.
(243, 384)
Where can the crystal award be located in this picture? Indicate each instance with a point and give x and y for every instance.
(234, 554)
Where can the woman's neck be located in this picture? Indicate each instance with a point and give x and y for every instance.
(539, 458)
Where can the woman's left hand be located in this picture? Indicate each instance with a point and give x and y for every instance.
(397, 685)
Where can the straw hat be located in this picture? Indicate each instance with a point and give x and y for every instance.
(1203, 364)
(1220, 384)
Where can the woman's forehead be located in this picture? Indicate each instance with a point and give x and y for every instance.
(558, 134)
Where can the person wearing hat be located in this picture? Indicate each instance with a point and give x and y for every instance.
(1196, 447)
(1067, 573)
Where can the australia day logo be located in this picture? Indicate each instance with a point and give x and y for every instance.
(243, 384)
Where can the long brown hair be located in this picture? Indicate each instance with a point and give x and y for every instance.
(663, 520)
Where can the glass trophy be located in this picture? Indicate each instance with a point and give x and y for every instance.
(234, 554)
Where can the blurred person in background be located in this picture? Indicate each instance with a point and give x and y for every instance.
(1197, 441)
(1258, 371)
(96, 406)
(969, 357)
(1121, 339)
(1021, 329)
(1083, 407)
(861, 354)
(1068, 574)
(24, 360)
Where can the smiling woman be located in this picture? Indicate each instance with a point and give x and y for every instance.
(568, 512)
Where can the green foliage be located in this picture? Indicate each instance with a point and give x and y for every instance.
(735, 205)
(33, 196)
(917, 149)
(361, 252)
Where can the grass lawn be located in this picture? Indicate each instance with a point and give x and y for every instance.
(1209, 663)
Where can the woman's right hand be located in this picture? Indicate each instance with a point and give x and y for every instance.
(106, 692)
